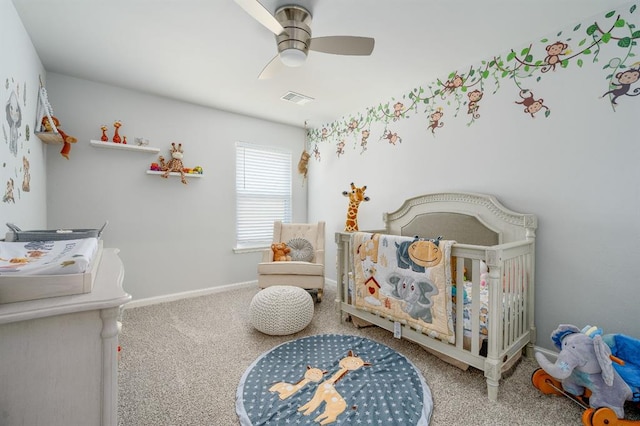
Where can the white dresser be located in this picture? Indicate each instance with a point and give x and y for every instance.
(59, 356)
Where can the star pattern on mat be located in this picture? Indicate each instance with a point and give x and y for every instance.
(390, 391)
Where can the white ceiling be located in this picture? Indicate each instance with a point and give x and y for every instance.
(210, 52)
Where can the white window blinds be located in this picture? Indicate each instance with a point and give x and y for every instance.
(263, 192)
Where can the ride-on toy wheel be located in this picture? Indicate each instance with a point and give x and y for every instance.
(587, 416)
(604, 416)
(545, 383)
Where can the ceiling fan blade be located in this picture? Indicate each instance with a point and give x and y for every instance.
(272, 68)
(343, 45)
(262, 15)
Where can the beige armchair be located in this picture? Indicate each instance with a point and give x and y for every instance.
(306, 241)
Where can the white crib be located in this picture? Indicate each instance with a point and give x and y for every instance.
(484, 230)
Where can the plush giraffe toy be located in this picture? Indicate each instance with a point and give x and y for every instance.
(175, 164)
(356, 196)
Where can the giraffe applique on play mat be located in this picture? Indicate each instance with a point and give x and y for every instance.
(333, 379)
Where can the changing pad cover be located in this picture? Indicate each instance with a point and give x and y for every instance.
(47, 257)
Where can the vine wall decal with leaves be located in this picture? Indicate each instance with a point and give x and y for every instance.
(612, 35)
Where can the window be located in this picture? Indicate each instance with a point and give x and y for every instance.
(263, 193)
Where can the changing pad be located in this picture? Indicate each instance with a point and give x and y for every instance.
(47, 257)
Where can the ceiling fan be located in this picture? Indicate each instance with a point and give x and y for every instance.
(292, 28)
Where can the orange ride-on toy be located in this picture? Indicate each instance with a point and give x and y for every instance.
(625, 354)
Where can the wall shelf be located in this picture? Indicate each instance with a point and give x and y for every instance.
(49, 137)
(189, 175)
(127, 147)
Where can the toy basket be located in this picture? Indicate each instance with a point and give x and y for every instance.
(18, 234)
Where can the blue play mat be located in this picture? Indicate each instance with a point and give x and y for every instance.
(316, 379)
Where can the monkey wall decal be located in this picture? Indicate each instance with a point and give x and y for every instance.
(474, 98)
(625, 79)
(451, 85)
(398, 108)
(531, 105)
(363, 141)
(392, 138)
(434, 120)
(553, 55)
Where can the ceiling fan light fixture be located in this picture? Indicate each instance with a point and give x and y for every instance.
(293, 57)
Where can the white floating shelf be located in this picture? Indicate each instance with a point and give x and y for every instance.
(113, 145)
(189, 175)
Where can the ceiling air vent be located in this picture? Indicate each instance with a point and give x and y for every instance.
(296, 98)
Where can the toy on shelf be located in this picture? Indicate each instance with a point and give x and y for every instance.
(104, 137)
(598, 372)
(175, 164)
(66, 139)
(116, 135)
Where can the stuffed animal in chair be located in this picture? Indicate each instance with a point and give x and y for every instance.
(280, 252)
(585, 361)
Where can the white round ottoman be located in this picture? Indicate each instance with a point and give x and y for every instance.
(280, 310)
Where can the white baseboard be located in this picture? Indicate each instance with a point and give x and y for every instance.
(551, 355)
(136, 303)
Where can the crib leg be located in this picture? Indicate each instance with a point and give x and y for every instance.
(492, 371)
(492, 390)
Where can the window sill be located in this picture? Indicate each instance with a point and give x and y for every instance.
(240, 250)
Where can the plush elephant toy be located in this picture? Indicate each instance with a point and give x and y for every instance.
(584, 361)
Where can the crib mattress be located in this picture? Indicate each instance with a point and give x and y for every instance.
(40, 269)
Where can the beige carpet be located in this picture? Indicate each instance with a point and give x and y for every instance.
(182, 361)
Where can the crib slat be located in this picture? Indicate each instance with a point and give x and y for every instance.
(475, 307)
(459, 273)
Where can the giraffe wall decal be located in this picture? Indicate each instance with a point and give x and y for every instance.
(326, 392)
(356, 196)
(285, 390)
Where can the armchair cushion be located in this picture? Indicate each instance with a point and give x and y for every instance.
(290, 268)
(301, 249)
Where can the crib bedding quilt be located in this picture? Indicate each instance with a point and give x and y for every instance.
(47, 257)
(407, 279)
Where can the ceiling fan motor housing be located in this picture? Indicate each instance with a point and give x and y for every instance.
(296, 22)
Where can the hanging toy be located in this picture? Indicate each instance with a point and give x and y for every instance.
(303, 164)
(66, 139)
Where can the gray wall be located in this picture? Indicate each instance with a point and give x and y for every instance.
(173, 237)
(577, 170)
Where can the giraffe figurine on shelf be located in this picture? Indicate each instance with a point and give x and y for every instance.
(116, 135)
(326, 392)
(285, 390)
(356, 196)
